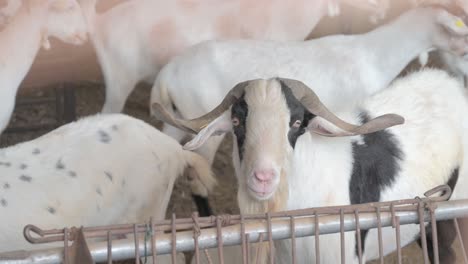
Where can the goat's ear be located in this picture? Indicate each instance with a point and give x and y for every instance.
(322, 127)
(452, 23)
(219, 126)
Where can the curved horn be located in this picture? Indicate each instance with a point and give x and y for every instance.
(311, 101)
(197, 124)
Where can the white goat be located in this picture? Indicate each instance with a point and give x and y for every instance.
(100, 170)
(133, 40)
(21, 40)
(342, 69)
(279, 166)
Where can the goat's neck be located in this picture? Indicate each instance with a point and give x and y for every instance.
(20, 42)
(394, 45)
(320, 171)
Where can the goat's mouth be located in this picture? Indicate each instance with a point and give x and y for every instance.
(261, 193)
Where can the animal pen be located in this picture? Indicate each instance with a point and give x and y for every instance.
(200, 233)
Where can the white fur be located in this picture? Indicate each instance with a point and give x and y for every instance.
(135, 39)
(100, 170)
(433, 141)
(341, 69)
(23, 36)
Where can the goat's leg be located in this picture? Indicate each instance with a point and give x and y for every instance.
(119, 84)
(445, 236)
(463, 224)
(6, 107)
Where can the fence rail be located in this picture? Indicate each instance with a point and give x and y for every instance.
(201, 233)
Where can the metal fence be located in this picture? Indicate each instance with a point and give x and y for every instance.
(198, 234)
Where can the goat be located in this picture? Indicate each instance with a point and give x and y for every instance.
(343, 68)
(22, 38)
(100, 170)
(281, 167)
(133, 40)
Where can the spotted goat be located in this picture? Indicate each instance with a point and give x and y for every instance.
(100, 170)
(285, 139)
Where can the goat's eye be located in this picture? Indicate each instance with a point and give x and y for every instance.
(235, 121)
(297, 124)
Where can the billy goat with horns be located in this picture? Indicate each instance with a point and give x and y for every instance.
(280, 167)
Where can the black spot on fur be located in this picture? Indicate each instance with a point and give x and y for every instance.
(6, 186)
(104, 137)
(109, 176)
(72, 174)
(25, 178)
(5, 163)
(3, 202)
(23, 166)
(240, 110)
(51, 210)
(297, 112)
(99, 191)
(375, 168)
(60, 165)
(203, 206)
(36, 151)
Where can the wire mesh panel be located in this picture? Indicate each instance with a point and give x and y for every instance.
(255, 236)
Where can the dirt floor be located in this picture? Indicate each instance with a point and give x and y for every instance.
(90, 99)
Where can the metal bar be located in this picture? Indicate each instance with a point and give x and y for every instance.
(379, 232)
(460, 239)
(358, 235)
(270, 239)
(137, 245)
(293, 241)
(243, 242)
(153, 245)
(342, 237)
(219, 237)
(398, 239)
(66, 254)
(196, 234)
(435, 244)
(422, 229)
(173, 240)
(317, 238)
(109, 247)
(281, 229)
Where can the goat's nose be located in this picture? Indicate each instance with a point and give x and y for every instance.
(264, 175)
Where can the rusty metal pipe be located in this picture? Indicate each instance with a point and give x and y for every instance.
(281, 229)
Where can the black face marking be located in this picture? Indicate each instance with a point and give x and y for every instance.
(23, 166)
(240, 110)
(109, 176)
(104, 137)
(6, 186)
(25, 178)
(99, 191)
(203, 206)
(3, 202)
(72, 174)
(60, 165)
(297, 112)
(6, 164)
(36, 151)
(375, 168)
(51, 210)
